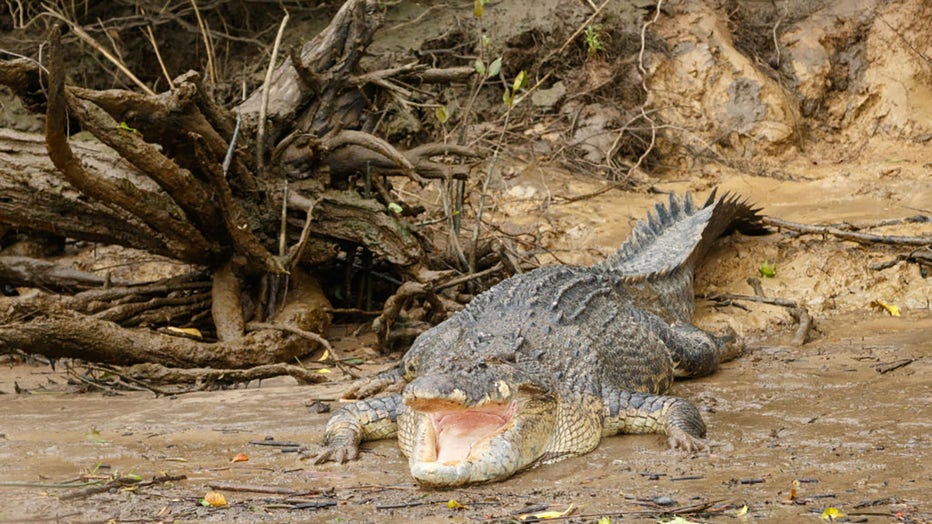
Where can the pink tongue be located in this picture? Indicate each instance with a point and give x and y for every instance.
(458, 431)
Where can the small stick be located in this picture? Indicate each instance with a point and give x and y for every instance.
(158, 55)
(862, 238)
(264, 107)
(80, 33)
(756, 286)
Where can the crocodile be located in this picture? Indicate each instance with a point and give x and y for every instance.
(544, 364)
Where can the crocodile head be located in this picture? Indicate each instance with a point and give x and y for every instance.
(475, 425)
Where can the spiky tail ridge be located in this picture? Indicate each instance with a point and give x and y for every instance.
(657, 261)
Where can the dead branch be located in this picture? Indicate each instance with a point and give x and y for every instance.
(800, 313)
(861, 238)
(180, 184)
(64, 334)
(207, 378)
(376, 145)
(182, 239)
(36, 199)
(31, 272)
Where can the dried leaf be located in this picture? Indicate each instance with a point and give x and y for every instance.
(324, 371)
(548, 514)
(214, 499)
(194, 332)
(831, 513)
(442, 114)
(520, 81)
(325, 356)
(241, 457)
(743, 511)
(454, 504)
(893, 309)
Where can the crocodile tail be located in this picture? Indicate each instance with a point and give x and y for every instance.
(657, 261)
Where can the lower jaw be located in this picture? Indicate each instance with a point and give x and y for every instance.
(435, 474)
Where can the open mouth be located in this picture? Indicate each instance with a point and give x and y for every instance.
(459, 433)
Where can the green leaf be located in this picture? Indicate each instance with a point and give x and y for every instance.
(495, 67)
(480, 67)
(124, 125)
(508, 98)
(442, 114)
(395, 208)
(768, 269)
(520, 81)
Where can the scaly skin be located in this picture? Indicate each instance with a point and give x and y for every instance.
(542, 366)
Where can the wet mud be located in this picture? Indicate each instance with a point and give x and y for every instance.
(837, 416)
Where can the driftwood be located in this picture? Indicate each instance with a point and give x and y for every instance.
(165, 174)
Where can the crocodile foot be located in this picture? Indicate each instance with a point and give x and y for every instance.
(679, 439)
(337, 453)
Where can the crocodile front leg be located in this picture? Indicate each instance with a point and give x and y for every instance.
(369, 419)
(633, 412)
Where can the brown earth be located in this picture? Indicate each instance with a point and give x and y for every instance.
(831, 414)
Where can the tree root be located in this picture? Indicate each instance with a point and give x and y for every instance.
(800, 313)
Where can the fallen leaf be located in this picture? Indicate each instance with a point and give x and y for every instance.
(194, 332)
(242, 457)
(214, 499)
(454, 504)
(831, 513)
(323, 370)
(743, 511)
(548, 514)
(325, 356)
(893, 309)
(604, 520)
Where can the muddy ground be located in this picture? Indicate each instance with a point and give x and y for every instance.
(844, 421)
(831, 414)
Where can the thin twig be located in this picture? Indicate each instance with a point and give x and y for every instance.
(208, 46)
(158, 55)
(862, 238)
(228, 159)
(266, 88)
(473, 255)
(80, 33)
